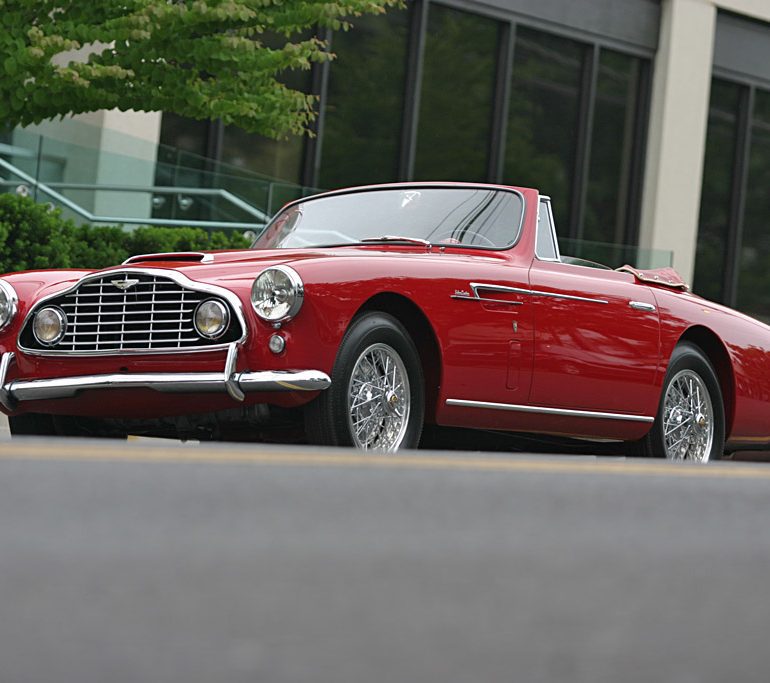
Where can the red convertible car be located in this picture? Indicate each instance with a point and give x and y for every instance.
(359, 316)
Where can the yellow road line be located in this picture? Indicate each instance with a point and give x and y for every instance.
(106, 452)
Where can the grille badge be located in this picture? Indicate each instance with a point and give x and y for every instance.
(124, 284)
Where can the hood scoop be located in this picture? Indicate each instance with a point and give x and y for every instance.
(183, 256)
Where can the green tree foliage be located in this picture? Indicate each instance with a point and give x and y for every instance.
(34, 236)
(198, 58)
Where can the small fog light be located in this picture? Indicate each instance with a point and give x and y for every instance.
(277, 343)
(49, 326)
(211, 318)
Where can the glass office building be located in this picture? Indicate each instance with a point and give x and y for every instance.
(546, 95)
(646, 121)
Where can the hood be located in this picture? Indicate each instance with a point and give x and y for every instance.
(228, 266)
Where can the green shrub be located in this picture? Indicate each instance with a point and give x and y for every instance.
(35, 236)
(99, 246)
(32, 236)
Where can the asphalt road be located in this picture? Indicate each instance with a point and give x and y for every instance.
(146, 563)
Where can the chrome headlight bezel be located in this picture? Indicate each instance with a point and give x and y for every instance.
(291, 294)
(61, 317)
(12, 304)
(225, 314)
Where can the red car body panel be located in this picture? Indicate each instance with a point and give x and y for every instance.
(561, 337)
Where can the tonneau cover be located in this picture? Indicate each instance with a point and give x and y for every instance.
(664, 277)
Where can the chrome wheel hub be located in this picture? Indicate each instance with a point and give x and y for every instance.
(378, 399)
(688, 418)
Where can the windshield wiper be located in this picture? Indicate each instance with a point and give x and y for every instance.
(397, 238)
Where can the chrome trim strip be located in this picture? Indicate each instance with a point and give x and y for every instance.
(642, 306)
(235, 384)
(475, 286)
(485, 300)
(565, 412)
(179, 278)
(570, 297)
(497, 288)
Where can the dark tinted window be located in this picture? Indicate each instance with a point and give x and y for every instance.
(753, 295)
(453, 138)
(364, 103)
(543, 119)
(718, 172)
(612, 147)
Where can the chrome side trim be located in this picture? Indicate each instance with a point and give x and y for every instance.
(642, 306)
(570, 297)
(228, 381)
(565, 412)
(485, 300)
(181, 280)
(475, 286)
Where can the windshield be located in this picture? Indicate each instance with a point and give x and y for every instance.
(477, 217)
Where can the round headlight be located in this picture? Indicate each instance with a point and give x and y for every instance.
(50, 325)
(8, 303)
(211, 318)
(277, 294)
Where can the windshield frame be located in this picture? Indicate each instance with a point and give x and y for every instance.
(403, 186)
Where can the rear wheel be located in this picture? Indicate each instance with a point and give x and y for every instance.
(376, 399)
(690, 424)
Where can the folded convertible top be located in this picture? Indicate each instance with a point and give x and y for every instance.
(664, 277)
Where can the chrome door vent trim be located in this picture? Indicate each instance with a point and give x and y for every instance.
(475, 286)
(542, 410)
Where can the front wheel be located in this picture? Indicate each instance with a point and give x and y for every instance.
(690, 424)
(376, 399)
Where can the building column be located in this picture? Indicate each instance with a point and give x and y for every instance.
(677, 133)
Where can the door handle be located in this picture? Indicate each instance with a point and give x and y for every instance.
(641, 306)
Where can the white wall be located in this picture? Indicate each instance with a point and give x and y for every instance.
(104, 147)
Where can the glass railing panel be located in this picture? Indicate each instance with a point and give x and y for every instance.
(616, 255)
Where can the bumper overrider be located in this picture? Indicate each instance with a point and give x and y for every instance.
(236, 384)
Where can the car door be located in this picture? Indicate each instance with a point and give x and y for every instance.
(489, 354)
(596, 336)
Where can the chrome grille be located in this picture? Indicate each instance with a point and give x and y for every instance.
(153, 314)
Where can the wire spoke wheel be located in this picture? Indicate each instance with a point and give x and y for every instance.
(688, 418)
(379, 401)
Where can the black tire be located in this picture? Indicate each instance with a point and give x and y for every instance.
(687, 363)
(328, 418)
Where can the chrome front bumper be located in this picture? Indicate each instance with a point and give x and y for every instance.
(236, 384)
